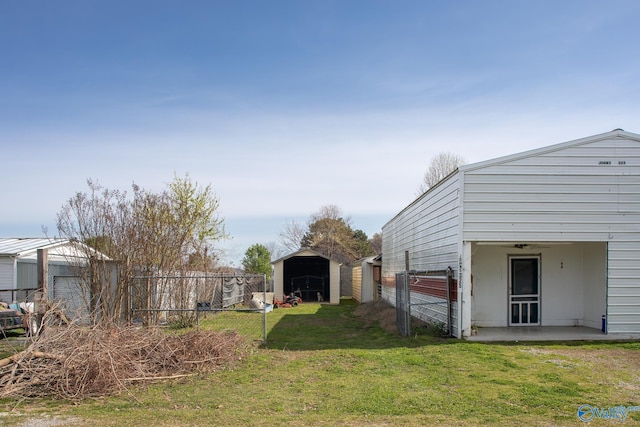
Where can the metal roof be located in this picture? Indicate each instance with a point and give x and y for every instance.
(616, 133)
(286, 257)
(22, 246)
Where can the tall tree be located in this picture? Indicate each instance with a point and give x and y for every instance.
(257, 260)
(363, 244)
(441, 165)
(376, 243)
(331, 234)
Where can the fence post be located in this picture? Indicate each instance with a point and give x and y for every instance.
(197, 308)
(264, 310)
(449, 283)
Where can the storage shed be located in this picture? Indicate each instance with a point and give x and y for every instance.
(314, 276)
(365, 279)
(547, 237)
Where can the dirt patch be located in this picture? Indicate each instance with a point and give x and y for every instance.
(612, 359)
(597, 360)
(379, 312)
(616, 359)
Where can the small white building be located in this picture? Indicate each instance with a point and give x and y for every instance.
(547, 237)
(365, 279)
(315, 276)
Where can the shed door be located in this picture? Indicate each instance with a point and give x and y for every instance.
(524, 291)
(7, 279)
(67, 291)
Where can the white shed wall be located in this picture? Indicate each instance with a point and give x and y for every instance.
(278, 280)
(334, 273)
(368, 288)
(623, 304)
(429, 229)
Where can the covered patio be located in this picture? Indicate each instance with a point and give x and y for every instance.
(556, 290)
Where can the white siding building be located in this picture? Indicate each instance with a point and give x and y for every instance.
(66, 264)
(18, 264)
(548, 237)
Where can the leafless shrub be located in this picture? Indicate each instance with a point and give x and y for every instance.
(72, 362)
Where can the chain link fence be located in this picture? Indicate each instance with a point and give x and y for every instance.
(227, 302)
(425, 295)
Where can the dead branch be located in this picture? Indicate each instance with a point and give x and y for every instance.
(16, 357)
(169, 377)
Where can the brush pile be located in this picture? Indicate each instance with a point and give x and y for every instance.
(74, 362)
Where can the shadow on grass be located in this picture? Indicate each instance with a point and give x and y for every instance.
(313, 326)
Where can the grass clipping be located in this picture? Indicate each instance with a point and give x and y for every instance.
(72, 362)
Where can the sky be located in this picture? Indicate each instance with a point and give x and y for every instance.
(287, 106)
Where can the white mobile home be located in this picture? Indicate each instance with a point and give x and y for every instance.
(18, 272)
(548, 237)
(65, 263)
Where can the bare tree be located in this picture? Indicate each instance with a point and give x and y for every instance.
(440, 166)
(291, 237)
(329, 212)
(274, 249)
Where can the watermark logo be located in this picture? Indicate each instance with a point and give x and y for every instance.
(587, 413)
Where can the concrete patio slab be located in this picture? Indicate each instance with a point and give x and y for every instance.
(547, 333)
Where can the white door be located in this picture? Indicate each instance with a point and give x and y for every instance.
(524, 290)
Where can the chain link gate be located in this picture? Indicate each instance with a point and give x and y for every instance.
(225, 302)
(403, 304)
(433, 298)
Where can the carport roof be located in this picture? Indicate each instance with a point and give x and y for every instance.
(22, 246)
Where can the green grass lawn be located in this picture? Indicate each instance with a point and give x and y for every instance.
(324, 365)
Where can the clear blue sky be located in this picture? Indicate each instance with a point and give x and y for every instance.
(286, 106)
